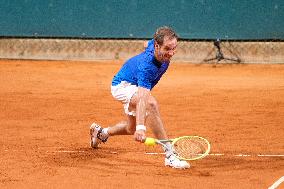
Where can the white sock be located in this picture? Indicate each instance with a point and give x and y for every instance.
(105, 132)
(168, 150)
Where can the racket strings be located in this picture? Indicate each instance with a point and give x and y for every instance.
(190, 148)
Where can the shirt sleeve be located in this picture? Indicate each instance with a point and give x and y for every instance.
(150, 47)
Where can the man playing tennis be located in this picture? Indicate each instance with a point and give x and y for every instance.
(132, 86)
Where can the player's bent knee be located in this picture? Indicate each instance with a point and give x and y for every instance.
(130, 130)
(153, 105)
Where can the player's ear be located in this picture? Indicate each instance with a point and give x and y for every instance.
(156, 45)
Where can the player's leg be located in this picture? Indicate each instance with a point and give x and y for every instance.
(128, 127)
(153, 117)
(123, 92)
(99, 134)
(155, 122)
(124, 127)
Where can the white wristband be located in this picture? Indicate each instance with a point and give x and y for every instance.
(140, 127)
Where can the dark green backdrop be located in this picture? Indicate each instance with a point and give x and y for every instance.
(192, 19)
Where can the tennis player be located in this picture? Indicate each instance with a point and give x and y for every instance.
(132, 87)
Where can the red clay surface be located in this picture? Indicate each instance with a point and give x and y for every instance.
(46, 109)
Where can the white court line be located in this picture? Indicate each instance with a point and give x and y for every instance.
(277, 183)
(236, 155)
(268, 155)
(66, 151)
(72, 151)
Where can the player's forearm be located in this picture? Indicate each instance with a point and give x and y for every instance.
(141, 112)
(141, 106)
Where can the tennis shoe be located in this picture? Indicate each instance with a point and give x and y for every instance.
(96, 135)
(174, 162)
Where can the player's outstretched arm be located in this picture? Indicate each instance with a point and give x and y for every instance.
(142, 101)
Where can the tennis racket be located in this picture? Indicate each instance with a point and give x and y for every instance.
(185, 147)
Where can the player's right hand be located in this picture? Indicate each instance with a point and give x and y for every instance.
(140, 135)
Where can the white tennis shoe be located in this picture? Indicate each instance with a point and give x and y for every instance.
(174, 162)
(96, 135)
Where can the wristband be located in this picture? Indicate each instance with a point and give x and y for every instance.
(140, 127)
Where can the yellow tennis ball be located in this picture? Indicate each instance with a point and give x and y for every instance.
(150, 141)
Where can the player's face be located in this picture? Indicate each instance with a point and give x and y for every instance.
(167, 50)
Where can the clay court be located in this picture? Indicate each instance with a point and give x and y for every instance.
(47, 107)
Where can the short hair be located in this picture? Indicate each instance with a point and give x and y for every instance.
(162, 32)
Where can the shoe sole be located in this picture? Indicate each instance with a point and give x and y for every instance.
(176, 167)
(92, 143)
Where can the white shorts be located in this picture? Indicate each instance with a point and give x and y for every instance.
(123, 92)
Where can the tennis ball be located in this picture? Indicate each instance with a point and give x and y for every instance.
(150, 141)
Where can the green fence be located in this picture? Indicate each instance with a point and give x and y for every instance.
(192, 19)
